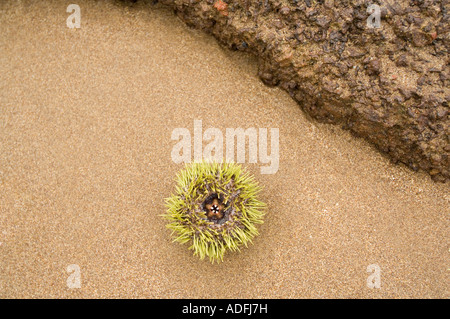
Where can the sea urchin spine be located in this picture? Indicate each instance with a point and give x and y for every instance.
(215, 208)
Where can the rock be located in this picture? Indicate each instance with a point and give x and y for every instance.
(420, 38)
(402, 60)
(323, 21)
(382, 84)
(285, 10)
(374, 67)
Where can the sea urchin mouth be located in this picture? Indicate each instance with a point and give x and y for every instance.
(215, 208)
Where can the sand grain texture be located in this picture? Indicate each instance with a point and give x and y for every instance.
(85, 123)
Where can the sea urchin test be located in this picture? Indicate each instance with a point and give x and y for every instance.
(215, 208)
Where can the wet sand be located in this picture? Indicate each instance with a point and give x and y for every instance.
(86, 117)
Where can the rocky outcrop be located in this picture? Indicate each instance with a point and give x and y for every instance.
(389, 85)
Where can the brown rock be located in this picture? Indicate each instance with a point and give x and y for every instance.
(402, 60)
(420, 38)
(317, 50)
(374, 67)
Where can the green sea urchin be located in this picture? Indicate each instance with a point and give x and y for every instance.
(215, 208)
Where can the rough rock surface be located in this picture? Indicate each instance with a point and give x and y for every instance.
(389, 85)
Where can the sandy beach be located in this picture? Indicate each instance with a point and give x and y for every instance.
(86, 117)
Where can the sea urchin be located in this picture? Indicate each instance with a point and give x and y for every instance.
(215, 208)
